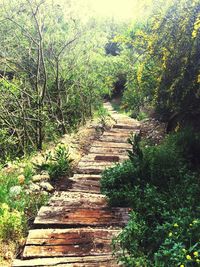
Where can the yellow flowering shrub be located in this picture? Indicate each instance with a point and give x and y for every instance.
(196, 27)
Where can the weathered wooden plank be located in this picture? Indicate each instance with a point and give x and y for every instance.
(71, 236)
(103, 157)
(110, 144)
(80, 176)
(115, 133)
(107, 158)
(103, 150)
(58, 251)
(119, 139)
(69, 242)
(90, 169)
(125, 126)
(109, 263)
(85, 185)
(78, 199)
(126, 131)
(124, 122)
(82, 216)
(88, 261)
(95, 163)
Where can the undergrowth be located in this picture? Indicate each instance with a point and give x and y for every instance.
(17, 206)
(161, 185)
(57, 163)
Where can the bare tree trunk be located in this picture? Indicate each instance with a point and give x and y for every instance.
(59, 100)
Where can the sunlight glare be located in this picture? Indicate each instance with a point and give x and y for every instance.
(121, 9)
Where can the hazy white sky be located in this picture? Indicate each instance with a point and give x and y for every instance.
(121, 9)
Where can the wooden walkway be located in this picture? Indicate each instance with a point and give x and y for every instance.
(77, 226)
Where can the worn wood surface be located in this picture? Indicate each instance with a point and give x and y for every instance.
(87, 261)
(69, 242)
(76, 227)
(85, 185)
(100, 216)
(77, 199)
(109, 150)
(103, 157)
(111, 144)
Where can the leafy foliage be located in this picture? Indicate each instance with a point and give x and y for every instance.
(57, 163)
(161, 187)
(59, 73)
(163, 54)
(17, 206)
(116, 181)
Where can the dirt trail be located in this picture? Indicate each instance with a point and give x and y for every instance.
(75, 229)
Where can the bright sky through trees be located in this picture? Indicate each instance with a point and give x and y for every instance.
(121, 9)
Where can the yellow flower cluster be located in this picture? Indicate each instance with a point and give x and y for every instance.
(196, 27)
(165, 57)
(196, 254)
(139, 73)
(121, 39)
(176, 130)
(198, 78)
(189, 257)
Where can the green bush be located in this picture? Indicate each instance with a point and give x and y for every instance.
(116, 181)
(160, 183)
(141, 116)
(17, 206)
(163, 165)
(130, 240)
(187, 142)
(181, 245)
(167, 223)
(11, 223)
(57, 163)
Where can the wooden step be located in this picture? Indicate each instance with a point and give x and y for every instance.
(123, 120)
(87, 261)
(113, 139)
(101, 216)
(125, 131)
(116, 135)
(95, 176)
(95, 163)
(107, 158)
(103, 158)
(125, 126)
(84, 185)
(78, 199)
(104, 150)
(111, 144)
(90, 170)
(69, 242)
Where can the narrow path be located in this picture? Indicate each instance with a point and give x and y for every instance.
(77, 226)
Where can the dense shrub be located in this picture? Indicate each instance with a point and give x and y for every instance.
(187, 142)
(116, 181)
(160, 183)
(162, 53)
